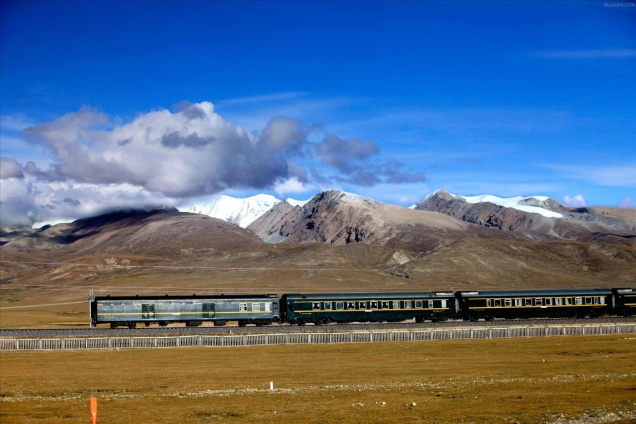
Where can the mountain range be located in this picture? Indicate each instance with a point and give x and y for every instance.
(336, 241)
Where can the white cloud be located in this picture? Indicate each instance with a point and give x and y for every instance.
(10, 168)
(25, 201)
(577, 201)
(292, 185)
(190, 152)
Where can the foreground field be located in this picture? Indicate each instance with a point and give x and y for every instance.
(592, 379)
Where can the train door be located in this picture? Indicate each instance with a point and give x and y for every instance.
(147, 311)
(208, 310)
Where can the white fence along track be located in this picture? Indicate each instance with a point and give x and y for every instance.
(230, 340)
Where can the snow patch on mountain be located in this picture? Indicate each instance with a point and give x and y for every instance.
(295, 202)
(241, 212)
(516, 202)
(52, 222)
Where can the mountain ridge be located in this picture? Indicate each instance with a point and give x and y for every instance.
(606, 225)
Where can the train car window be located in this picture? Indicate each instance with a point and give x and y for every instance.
(538, 302)
(588, 300)
(528, 302)
(242, 306)
(327, 305)
(518, 302)
(385, 305)
(578, 300)
(599, 300)
(488, 302)
(351, 305)
(374, 305)
(315, 306)
(363, 305)
(407, 304)
(508, 302)
(418, 303)
(497, 302)
(559, 301)
(256, 306)
(339, 305)
(430, 303)
(548, 301)
(396, 304)
(444, 303)
(268, 307)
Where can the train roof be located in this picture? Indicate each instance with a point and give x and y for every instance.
(535, 293)
(190, 297)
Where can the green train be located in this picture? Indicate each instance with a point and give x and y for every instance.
(317, 309)
(368, 307)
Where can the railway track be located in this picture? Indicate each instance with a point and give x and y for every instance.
(286, 328)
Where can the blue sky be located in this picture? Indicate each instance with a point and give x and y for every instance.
(162, 102)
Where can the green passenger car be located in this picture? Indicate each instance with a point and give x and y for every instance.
(193, 310)
(535, 304)
(367, 307)
(625, 302)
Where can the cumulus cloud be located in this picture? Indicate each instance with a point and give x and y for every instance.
(283, 133)
(51, 174)
(190, 152)
(10, 168)
(577, 201)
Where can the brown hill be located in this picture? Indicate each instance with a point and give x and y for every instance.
(146, 232)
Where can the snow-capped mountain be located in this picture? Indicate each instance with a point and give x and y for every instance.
(542, 205)
(533, 204)
(536, 217)
(237, 211)
(241, 212)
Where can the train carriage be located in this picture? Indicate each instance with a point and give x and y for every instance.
(193, 310)
(535, 304)
(367, 307)
(625, 301)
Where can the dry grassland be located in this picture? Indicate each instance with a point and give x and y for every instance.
(590, 379)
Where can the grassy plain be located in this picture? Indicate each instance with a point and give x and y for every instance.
(481, 381)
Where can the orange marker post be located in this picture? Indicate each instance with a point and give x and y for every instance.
(94, 409)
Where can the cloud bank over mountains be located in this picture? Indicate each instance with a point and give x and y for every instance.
(163, 156)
